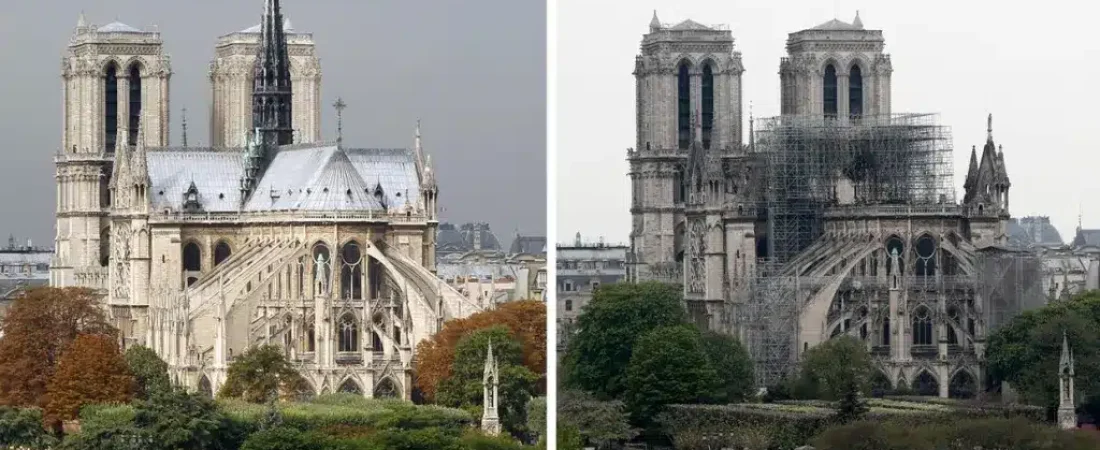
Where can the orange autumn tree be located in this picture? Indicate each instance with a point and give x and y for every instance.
(526, 319)
(91, 371)
(40, 325)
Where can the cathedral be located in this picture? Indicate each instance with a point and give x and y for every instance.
(838, 217)
(270, 236)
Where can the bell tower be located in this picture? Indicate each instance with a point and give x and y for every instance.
(113, 76)
(683, 70)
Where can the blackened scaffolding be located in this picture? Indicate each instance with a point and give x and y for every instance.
(813, 162)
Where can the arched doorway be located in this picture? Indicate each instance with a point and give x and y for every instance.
(925, 384)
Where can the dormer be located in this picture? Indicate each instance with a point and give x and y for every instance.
(191, 201)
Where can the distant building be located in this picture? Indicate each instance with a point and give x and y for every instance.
(582, 267)
(1033, 231)
(22, 267)
(469, 237)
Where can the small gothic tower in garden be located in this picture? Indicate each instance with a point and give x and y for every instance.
(1067, 413)
(490, 419)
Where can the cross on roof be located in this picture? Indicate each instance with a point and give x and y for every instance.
(339, 105)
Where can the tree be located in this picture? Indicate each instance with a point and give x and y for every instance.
(851, 406)
(150, 372)
(829, 370)
(40, 325)
(525, 319)
(91, 371)
(259, 372)
(597, 421)
(1026, 351)
(178, 419)
(734, 366)
(536, 417)
(464, 388)
(618, 314)
(669, 366)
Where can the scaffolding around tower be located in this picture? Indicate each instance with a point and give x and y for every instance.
(813, 162)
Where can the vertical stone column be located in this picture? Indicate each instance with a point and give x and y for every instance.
(842, 86)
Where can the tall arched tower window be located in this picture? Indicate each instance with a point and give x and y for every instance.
(708, 104)
(829, 96)
(683, 105)
(110, 107)
(135, 103)
(855, 92)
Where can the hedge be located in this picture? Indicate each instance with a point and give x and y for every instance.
(349, 412)
(789, 424)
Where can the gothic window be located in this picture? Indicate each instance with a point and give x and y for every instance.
(288, 336)
(568, 305)
(110, 122)
(311, 339)
(349, 334)
(135, 103)
(926, 252)
(925, 384)
(922, 326)
(385, 389)
(376, 342)
(374, 272)
(708, 104)
(886, 331)
(351, 272)
(855, 92)
(221, 252)
(350, 387)
(396, 336)
(829, 96)
(683, 105)
(192, 260)
(104, 246)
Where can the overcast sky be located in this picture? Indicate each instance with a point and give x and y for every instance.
(1030, 64)
(473, 71)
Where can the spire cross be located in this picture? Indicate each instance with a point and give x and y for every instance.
(340, 105)
(184, 118)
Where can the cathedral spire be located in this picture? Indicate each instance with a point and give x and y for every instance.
(655, 23)
(184, 119)
(857, 23)
(139, 172)
(271, 91)
(81, 22)
(989, 128)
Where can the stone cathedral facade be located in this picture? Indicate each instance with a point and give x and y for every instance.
(200, 253)
(776, 243)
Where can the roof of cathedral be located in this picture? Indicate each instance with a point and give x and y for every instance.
(255, 29)
(837, 24)
(690, 25)
(317, 177)
(118, 27)
(1031, 231)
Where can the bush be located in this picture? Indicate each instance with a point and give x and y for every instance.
(536, 417)
(957, 434)
(349, 415)
(259, 372)
(105, 417)
(281, 438)
(23, 428)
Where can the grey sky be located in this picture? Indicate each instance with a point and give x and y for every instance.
(473, 71)
(1030, 64)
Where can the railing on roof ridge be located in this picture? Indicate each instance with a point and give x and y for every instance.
(269, 215)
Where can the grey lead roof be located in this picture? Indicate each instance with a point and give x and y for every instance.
(837, 24)
(118, 27)
(311, 177)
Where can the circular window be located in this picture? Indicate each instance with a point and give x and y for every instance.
(926, 246)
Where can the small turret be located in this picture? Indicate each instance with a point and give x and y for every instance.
(655, 23)
(490, 418)
(1067, 409)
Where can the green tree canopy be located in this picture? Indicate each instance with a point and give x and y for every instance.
(150, 372)
(178, 419)
(463, 389)
(603, 345)
(1027, 350)
(734, 366)
(669, 366)
(259, 372)
(834, 367)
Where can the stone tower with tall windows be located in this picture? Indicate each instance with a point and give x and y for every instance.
(203, 252)
(115, 87)
(684, 70)
(232, 78)
(837, 69)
